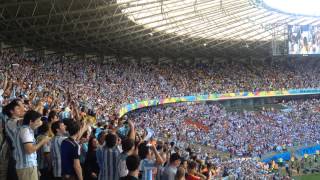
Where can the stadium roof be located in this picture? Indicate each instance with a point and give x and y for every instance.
(156, 28)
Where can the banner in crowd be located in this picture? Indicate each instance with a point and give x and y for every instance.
(197, 124)
(216, 97)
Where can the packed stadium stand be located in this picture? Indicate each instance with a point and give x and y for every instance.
(158, 90)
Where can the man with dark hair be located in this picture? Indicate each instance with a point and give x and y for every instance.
(52, 117)
(70, 154)
(193, 174)
(12, 114)
(132, 163)
(107, 156)
(43, 154)
(170, 170)
(14, 111)
(26, 147)
(68, 122)
(59, 130)
(147, 152)
(128, 147)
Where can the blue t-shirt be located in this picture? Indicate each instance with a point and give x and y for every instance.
(70, 150)
(83, 152)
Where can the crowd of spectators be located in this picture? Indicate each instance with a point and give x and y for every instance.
(59, 119)
(95, 83)
(242, 133)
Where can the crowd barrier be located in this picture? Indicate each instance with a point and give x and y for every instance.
(216, 97)
(307, 150)
(299, 152)
(285, 156)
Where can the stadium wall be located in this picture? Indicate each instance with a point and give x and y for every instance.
(217, 97)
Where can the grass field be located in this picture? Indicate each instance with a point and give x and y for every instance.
(308, 177)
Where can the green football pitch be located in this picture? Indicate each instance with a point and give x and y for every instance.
(308, 177)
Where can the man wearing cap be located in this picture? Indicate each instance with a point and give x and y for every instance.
(170, 170)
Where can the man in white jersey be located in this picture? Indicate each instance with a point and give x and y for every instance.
(59, 130)
(26, 148)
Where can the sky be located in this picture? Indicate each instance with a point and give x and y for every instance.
(303, 7)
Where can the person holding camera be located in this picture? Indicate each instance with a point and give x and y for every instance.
(151, 159)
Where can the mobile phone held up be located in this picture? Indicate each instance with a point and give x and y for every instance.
(123, 131)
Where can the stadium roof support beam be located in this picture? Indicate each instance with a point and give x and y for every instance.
(133, 31)
(171, 28)
(135, 38)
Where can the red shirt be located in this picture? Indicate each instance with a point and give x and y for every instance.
(192, 177)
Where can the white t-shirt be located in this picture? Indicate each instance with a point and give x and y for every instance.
(123, 171)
